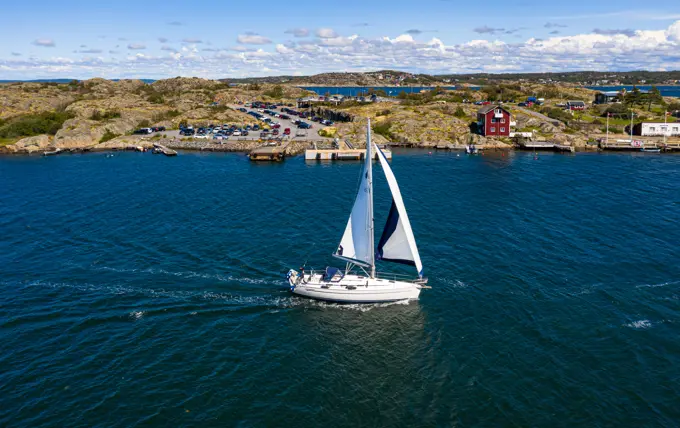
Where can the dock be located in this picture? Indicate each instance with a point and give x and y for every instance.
(623, 145)
(161, 149)
(267, 153)
(341, 151)
(544, 145)
(52, 152)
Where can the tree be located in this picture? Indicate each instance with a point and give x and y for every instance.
(633, 97)
(654, 96)
(459, 112)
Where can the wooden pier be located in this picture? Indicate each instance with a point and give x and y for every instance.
(627, 145)
(161, 149)
(343, 151)
(544, 145)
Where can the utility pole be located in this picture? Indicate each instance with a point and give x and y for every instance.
(607, 139)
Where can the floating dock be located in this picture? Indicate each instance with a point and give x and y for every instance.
(343, 151)
(267, 153)
(158, 148)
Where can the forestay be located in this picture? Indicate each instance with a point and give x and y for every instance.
(397, 243)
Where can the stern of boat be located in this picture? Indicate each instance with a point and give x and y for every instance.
(293, 278)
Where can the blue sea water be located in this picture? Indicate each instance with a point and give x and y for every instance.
(353, 91)
(140, 290)
(666, 91)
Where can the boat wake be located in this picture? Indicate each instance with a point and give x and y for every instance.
(191, 274)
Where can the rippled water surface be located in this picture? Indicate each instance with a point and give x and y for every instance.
(144, 290)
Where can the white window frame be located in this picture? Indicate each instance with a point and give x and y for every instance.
(493, 129)
(502, 129)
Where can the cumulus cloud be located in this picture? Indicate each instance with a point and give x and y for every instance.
(163, 40)
(645, 49)
(194, 41)
(298, 32)
(626, 32)
(136, 46)
(326, 33)
(252, 39)
(46, 43)
(488, 30)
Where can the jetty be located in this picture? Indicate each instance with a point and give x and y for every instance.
(161, 149)
(624, 145)
(273, 153)
(544, 146)
(340, 150)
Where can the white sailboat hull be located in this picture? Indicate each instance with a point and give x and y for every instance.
(354, 289)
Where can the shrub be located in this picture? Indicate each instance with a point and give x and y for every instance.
(33, 124)
(144, 124)
(98, 115)
(165, 115)
(156, 98)
(459, 112)
(383, 128)
(275, 92)
(108, 135)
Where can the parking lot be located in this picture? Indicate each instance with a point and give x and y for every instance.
(254, 135)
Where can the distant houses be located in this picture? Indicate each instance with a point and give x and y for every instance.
(576, 105)
(493, 120)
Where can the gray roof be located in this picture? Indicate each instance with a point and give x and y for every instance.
(576, 103)
(486, 109)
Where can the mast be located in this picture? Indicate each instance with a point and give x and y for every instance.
(369, 176)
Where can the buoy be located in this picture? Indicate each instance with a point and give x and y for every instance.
(429, 153)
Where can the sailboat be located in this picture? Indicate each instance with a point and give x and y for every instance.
(359, 282)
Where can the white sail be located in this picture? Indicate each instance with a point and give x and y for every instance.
(356, 245)
(397, 243)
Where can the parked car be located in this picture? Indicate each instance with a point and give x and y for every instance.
(236, 133)
(256, 127)
(242, 110)
(264, 134)
(244, 132)
(286, 131)
(275, 132)
(158, 128)
(218, 137)
(143, 131)
(276, 125)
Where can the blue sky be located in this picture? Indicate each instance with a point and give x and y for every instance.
(214, 39)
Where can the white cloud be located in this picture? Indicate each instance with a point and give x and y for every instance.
(326, 33)
(252, 39)
(193, 41)
(642, 49)
(46, 43)
(136, 46)
(298, 32)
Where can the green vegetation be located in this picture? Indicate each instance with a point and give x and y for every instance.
(144, 124)
(460, 113)
(34, 124)
(111, 114)
(557, 114)
(275, 92)
(383, 128)
(165, 115)
(108, 135)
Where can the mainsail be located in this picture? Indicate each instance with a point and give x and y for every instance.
(356, 245)
(397, 243)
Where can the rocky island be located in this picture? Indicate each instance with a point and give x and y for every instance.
(100, 114)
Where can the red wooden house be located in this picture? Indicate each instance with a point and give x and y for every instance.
(493, 120)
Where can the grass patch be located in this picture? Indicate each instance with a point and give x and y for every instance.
(106, 115)
(383, 128)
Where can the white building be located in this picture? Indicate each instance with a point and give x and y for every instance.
(652, 129)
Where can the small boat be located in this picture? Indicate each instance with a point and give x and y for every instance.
(52, 153)
(471, 149)
(651, 150)
(358, 282)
